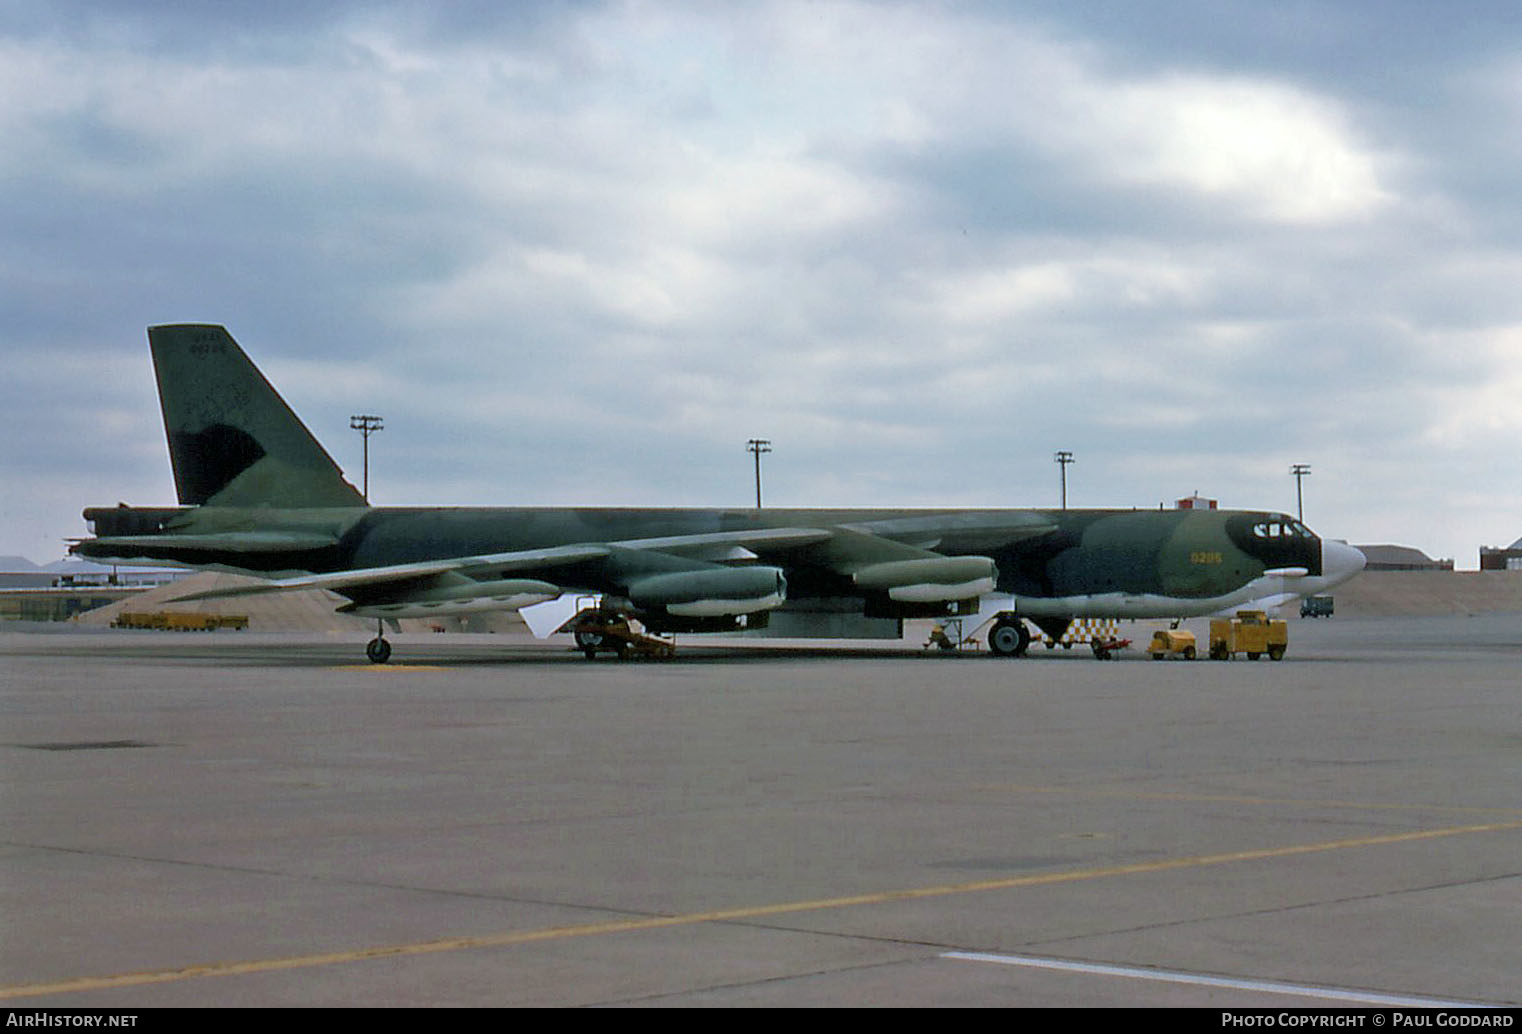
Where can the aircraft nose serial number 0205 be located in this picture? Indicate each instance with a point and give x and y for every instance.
(1204, 558)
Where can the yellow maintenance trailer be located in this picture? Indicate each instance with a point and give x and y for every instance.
(1250, 632)
(1172, 640)
(176, 621)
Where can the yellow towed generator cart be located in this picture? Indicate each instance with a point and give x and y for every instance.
(1250, 632)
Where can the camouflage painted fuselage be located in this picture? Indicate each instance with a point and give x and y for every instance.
(1052, 562)
(260, 495)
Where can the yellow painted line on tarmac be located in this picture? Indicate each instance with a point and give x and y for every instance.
(1205, 798)
(219, 969)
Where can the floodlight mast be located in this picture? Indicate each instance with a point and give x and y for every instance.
(1299, 471)
(1064, 457)
(366, 424)
(756, 446)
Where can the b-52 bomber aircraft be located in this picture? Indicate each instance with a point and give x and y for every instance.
(259, 496)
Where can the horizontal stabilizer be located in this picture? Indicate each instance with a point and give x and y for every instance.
(227, 541)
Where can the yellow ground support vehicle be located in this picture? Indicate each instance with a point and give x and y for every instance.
(1172, 640)
(176, 621)
(614, 634)
(130, 619)
(1250, 632)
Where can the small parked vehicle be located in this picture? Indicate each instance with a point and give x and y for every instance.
(1250, 632)
(1174, 641)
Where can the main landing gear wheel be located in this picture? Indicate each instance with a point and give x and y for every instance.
(588, 642)
(378, 650)
(1009, 638)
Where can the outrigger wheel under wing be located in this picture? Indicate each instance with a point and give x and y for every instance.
(447, 586)
(378, 650)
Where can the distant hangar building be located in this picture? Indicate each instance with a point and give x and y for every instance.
(1401, 558)
(1508, 559)
(67, 588)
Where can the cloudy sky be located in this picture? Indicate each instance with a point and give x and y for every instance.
(578, 253)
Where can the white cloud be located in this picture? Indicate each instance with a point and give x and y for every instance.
(1279, 152)
(1487, 407)
(934, 238)
(1121, 277)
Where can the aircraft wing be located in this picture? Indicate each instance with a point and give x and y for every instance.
(893, 556)
(690, 575)
(731, 545)
(960, 531)
(473, 566)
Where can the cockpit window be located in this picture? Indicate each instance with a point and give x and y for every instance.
(1281, 529)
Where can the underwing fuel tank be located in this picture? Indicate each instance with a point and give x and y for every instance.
(717, 593)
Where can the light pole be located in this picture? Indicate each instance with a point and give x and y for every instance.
(1064, 457)
(756, 446)
(366, 424)
(1300, 470)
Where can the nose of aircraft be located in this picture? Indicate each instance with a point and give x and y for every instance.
(1340, 561)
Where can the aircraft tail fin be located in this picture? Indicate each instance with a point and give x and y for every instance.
(233, 441)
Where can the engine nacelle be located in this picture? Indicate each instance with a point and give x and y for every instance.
(930, 579)
(469, 598)
(720, 592)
